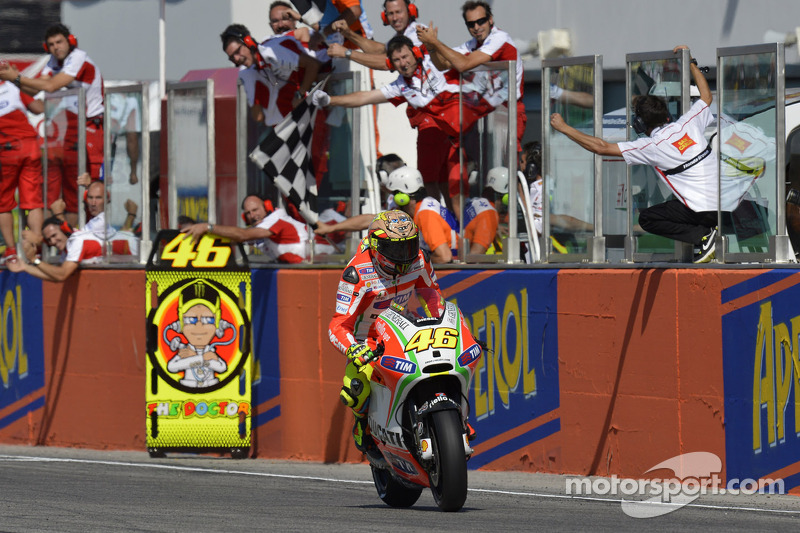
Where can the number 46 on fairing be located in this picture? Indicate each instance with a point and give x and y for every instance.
(181, 252)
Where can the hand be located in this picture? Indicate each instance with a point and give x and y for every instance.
(58, 207)
(85, 179)
(15, 266)
(340, 25)
(185, 352)
(320, 99)
(209, 356)
(679, 47)
(427, 34)
(336, 50)
(29, 249)
(8, 72)
(557, 121)
(130, 207)
(134, 179)
(32, 236)
(322, 228)
(195, 231)
(359, 354)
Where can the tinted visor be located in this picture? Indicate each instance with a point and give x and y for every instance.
(401, 251)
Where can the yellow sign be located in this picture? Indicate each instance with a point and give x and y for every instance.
(199, 364)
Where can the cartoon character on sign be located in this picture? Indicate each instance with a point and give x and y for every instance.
(197, 333)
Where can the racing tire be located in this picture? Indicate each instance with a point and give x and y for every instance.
(393, 492)
(448, 477)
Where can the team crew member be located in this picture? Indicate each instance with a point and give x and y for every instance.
(277, 74)
(283, 20)
(387, 268)
(423, 87)
(68, 67)
(271, 231)
(398, 15)
(349, 11)
(488, 43)
(76, 247)
(20, 165)
(684, 160)
(437, 236)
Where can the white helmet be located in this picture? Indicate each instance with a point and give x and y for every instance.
(497, 179)
(405, 179)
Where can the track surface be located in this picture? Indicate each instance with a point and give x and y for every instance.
(58, 489)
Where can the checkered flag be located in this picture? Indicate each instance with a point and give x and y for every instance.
(285, 156)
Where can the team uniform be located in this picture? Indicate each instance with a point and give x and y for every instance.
(20, 152)
(289, 240)
(689, 216)
(364, 292)
(436, 117)
(500, 47)
(480, 222)
(431, 218)
(274, 86)
(86, 246)
(62, 170)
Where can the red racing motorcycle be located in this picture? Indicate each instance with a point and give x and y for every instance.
(420, 373)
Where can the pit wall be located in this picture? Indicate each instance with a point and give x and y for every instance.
(592, 372)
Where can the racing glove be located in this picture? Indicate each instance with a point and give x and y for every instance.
(359, 354)
(320, 99)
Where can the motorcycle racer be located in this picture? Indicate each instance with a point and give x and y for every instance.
(386, 270)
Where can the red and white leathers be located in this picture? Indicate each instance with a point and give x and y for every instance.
(20, 152)
(274, 86)
(677, 143)
(320, 52)
(365, 291)
(500, 47)
(87, 75)
(289, 240)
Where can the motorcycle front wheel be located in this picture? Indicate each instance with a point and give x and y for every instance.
(393, 492)
(448, 476)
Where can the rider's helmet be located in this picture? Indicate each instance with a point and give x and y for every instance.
(393, 241)
(404, 183)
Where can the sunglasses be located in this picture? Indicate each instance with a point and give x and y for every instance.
(480, 22)
(193, 320)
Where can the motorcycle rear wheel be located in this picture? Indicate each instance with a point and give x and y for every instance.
(393, 492)
(448, 477)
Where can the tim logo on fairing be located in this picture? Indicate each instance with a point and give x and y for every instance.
(469, 355)
(395, 364)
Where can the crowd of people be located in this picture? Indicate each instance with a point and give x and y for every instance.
(445, 98)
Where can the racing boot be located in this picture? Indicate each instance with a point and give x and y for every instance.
(361, 435)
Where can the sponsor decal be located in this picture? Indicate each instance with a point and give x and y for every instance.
(468, 356)
(346, 288)
(684, 143)
(398, 365)
(341, 308)
(343, 297)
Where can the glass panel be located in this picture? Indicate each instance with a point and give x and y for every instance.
(123, 172)
(660, 77)
(570, 179)
(748, 173)
(61, 132)
(485, 156)
(189, 163)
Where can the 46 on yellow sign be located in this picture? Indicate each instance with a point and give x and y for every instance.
(425, 339)
(182, 252)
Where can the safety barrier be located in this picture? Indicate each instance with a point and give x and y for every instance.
(590, 371)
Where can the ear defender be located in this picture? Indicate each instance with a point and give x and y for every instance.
(505, 199)
(413, 13)
(71, 39)
(401, 198)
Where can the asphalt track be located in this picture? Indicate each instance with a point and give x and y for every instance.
(59, 489)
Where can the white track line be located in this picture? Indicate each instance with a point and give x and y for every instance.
(27, 458)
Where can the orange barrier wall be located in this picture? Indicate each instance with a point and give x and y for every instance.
(639, 370)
